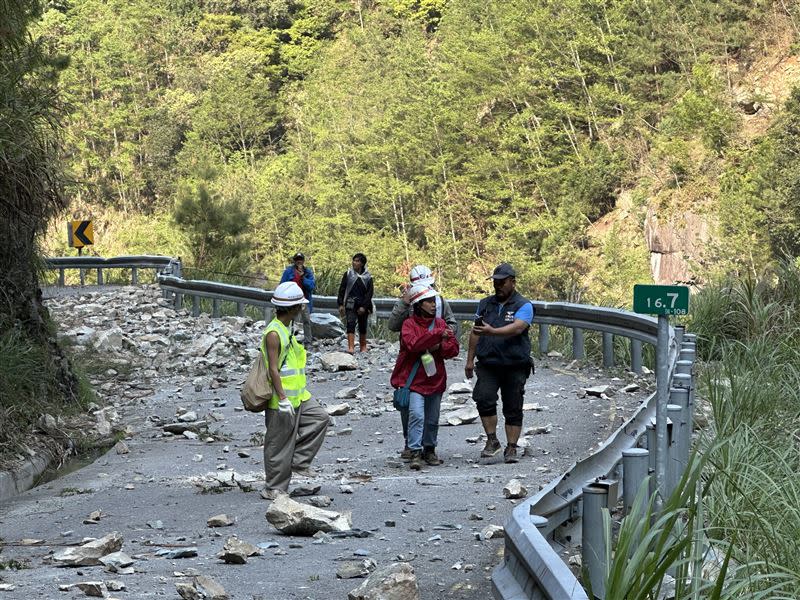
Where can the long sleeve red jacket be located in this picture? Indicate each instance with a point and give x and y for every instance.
(415, 339)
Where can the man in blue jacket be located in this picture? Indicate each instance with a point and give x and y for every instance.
(304, 277)
(500, 342)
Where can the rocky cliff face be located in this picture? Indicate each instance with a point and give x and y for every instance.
(677, 245)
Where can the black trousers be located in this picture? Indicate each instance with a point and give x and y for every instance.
(352, 317)
(509, 381)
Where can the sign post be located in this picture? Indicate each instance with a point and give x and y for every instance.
(661, 300)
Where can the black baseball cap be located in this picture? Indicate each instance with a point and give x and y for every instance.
(503, 271)
(299, 255)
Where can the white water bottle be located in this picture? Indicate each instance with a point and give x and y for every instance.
(428, 364)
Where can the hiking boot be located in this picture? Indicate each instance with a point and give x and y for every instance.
(510, 454)
(492, 447)
(271, 493)
(416, 460)
(429, 456)
(405, 455)
(305, 471)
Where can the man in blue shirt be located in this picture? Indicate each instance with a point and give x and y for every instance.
(501, 344)
(304, 277)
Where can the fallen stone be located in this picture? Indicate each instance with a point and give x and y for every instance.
(539, 429)
(325, 326)
(222, 520)
(121, 447)
(462, 416)
(320, 501)
(116, 561)
(305, 490)
(631, 387)
(236, 551)
(396, 581)
(90, 553)
(7, 587)
(599, 390)
(90, 588)
(293, 518)
(348, 392)
(180, 428)
(338, 361)
(459, 387)
(188, 417)
(202, 588)
(356, 569)
(337, 410)
(112, 585)
(47, 423)
(492, 532)
(188, 552)
(514, 489)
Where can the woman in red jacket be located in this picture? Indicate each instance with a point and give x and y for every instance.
(427, 339)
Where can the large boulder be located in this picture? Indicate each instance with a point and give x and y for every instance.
(393, 582)
(325, 326)
(295, 518)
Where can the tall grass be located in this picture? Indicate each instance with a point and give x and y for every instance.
(731, 528)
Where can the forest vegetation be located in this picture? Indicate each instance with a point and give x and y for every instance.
(454, 133)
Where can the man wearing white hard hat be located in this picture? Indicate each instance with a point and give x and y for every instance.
(296, 423)
(425, 342)
(419, 275)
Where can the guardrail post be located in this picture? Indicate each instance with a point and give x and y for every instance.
(578, 350)
(544, 338)
(681, 395)
(650, 432)
(680, 331)
(674, 472)
(178, 301)
(195, 306)
(82, 277)
(593, 539)
(215, 308)
(636, 356)
(240, 309)
(134, 276)
(608, 350)
(635, 469)
(61, 278)
(267, 313)
(688, 352)
(99, 276)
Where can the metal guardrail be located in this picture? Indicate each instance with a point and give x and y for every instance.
(134, 263)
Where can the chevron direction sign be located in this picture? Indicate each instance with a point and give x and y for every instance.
(80, 233)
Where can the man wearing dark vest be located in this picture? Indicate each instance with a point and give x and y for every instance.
(501, 344)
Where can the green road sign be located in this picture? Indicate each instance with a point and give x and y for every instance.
(661, 299)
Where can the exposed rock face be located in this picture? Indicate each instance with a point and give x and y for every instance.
(294, 518)
(396, 581)
(674, 244)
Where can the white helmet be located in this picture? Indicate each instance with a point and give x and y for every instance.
(419, 292)
(288, 294)
(421, 274)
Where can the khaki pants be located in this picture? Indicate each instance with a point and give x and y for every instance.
(292, 443)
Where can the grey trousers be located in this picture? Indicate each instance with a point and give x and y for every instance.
(305, 319)
(292, 443)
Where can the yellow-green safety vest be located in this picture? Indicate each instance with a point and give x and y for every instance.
(292, 359)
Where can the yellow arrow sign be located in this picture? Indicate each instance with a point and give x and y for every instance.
(80, 233)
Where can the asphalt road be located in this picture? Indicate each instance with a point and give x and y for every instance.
(429, 518)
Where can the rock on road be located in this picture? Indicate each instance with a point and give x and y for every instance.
(158, 489)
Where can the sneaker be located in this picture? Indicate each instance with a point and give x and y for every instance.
(510, 454)
(416, 460)
(492, 448)
(405, 455)
(429, 456)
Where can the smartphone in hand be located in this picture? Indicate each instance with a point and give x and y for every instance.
(479, 322)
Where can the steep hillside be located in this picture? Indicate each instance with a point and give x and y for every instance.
(593, 144)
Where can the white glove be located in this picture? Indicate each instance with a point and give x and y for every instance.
(284, 406)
